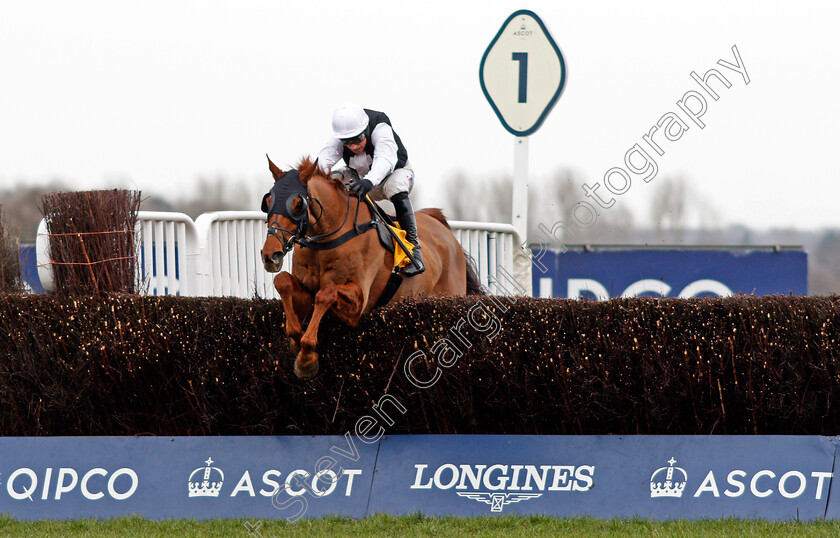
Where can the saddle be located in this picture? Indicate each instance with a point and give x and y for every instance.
(384, 237)
(386, 229)
(384, 221)
(390, 236)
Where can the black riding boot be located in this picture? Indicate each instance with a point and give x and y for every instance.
(405, 216)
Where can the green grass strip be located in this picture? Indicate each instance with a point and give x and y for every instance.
(416, 525)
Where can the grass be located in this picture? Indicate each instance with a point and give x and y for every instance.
(416, 525)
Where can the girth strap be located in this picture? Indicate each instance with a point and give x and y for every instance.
(394, 282)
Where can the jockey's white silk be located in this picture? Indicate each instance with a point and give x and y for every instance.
(373, 169)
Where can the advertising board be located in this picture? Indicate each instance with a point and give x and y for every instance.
(603, 273)
(658, 477)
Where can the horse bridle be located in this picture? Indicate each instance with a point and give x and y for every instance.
(288, 244)
(293, 188)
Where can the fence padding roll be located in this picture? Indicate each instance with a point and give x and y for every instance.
(132, 365)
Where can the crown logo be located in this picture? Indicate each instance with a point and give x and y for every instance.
(663, 483)
(202, 485)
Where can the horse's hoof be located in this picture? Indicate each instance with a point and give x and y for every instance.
(306, 369)
(294, 345)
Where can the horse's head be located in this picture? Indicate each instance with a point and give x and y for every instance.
(287, 208)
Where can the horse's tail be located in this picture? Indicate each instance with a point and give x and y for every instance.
(474, 286)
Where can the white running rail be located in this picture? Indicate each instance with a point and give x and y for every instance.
(219, 254)
(231, 243)
(491, 245)
(168, 257)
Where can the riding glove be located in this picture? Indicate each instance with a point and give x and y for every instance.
(361, 187)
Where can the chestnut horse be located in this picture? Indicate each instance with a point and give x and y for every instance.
(346, 278)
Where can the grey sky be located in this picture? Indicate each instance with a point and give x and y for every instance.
(160, 93)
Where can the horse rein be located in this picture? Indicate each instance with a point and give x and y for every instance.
(340, 226)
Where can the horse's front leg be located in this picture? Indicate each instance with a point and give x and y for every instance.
(297, 303)
(347, 301)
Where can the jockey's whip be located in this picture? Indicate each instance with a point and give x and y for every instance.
(378, 210)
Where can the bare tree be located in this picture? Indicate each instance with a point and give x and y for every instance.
(485, 200)
(458, 193)
(10, 280)
(22, 208)
(550, 208)
(669, 205)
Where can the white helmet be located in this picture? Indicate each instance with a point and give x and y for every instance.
(349, 121)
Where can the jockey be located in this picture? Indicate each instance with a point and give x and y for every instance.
(373, 152)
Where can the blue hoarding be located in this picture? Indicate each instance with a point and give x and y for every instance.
(632, 272)
(659, 477)
(184, 477)
(29, 268)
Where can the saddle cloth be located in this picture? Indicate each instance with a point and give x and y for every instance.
(400, 258)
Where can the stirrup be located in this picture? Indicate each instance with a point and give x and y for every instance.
(414, 269)
(405, 216)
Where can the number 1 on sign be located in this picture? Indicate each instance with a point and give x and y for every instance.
(522, 58)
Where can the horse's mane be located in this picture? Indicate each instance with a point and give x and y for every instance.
(309, 168)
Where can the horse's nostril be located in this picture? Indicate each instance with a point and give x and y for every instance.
(277, 258)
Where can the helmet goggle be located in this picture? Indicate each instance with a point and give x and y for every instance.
(358, 139)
